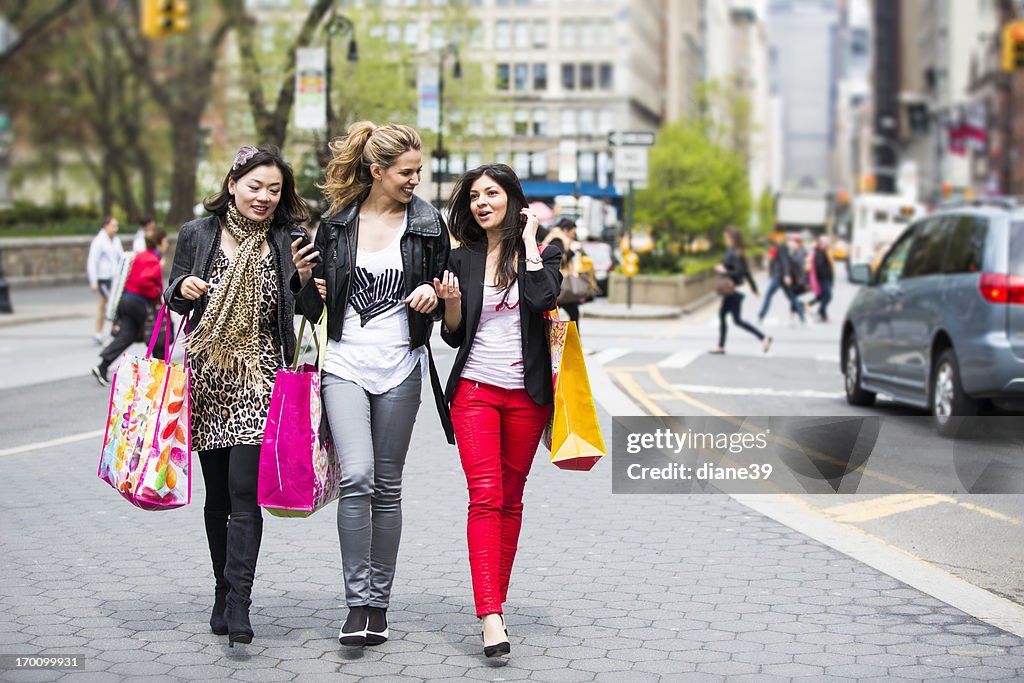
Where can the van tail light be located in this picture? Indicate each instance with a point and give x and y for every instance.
(1002, 289)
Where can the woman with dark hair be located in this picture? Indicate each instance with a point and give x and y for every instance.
(230, 276)
(497, 289)
(383, 248)
(734, 266)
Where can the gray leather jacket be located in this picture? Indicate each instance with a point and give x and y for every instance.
(198, 241)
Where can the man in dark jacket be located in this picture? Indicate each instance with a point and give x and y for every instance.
(780, 273)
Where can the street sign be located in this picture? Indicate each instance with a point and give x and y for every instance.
(631, 165)
(640, 138)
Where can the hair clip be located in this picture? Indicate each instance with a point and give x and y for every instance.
(244, 154)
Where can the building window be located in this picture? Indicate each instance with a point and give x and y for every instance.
(568, 32)
(604, 122)
(475, 125)
(540, 122)
(521, 163)
(503, 123)
(605, 34)
(437, 38)
(540, 76)
(567, 122)
(586, 76)
(587, 167)
(522, 122)
(539, 165)
(587, 34)
(411, 34)
(606, 77)
(540, 33)
(502, 34)
(503, 73)
(522, 33)
(587, 122)
(522, 76)
(392, 33)
(568, 76)
(456, 164)
(476, 35)
(473, 159)
(502, 158)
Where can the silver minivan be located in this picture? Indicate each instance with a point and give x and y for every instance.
(940, 323)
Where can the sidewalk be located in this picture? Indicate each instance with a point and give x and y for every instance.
(45, 304)
(606, 588)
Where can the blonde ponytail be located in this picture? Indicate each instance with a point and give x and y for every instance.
(347, 176)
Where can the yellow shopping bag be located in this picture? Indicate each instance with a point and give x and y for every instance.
(573, 436)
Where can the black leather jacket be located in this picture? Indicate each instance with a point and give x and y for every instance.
(197, 243)
(425, 246)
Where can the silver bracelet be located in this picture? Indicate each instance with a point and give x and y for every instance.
(538, 259)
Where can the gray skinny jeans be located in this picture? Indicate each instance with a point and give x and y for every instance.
(371, 433)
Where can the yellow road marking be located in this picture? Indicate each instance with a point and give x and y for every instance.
(884, 506)
(624, 376)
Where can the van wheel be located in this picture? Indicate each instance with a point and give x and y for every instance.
(949, 403)
(855, 395)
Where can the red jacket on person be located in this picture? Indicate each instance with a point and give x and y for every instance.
(146, 276)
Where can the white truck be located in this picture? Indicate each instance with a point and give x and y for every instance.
(797, 212)
(876, 221)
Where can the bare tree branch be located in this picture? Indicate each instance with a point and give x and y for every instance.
(36, 28)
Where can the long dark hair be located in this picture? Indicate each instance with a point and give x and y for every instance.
(465, 229)
(736, 237)
(290, 210)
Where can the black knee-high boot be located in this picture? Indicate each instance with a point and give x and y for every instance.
(217, 537)
(245, 530)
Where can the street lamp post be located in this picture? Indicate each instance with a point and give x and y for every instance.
(337, 23)
(440, 153)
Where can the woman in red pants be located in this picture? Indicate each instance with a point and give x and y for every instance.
(496, 292)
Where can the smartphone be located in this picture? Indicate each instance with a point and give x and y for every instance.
(298, 233)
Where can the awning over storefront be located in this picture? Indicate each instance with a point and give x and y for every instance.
(550, 188)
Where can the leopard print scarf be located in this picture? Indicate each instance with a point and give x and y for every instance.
(228, 334)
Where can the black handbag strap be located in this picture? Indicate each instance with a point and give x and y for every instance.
(442, 406)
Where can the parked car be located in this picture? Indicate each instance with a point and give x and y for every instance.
(600, 254)
(940, 323)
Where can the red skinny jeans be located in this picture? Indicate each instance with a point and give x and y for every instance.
(497, 431)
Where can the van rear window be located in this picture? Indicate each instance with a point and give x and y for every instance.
(1017, 248)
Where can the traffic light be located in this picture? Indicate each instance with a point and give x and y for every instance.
(161, 18)
(1013, 46)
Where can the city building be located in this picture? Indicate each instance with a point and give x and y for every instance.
(803, 71)
(941, 124)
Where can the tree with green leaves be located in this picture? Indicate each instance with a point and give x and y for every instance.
(695, 187)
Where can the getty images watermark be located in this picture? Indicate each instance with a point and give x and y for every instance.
(815, 455)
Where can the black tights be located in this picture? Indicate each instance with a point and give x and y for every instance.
(231, 474)
(731, 305)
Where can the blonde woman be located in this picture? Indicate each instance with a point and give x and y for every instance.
(373, 263)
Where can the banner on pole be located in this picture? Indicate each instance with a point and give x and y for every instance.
(428, 86)
(311, 88)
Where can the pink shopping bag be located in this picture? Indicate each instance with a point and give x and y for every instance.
(299, 469)
(147, 447)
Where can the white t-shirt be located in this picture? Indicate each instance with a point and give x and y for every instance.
(374, 348)
(496, 356)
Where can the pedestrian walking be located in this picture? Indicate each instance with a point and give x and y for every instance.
(496, 292)
(780, 273)
(564, 231)
(143, 292)
(146, 225)
(734, 266)
(105, 253)
(230, 276)
(824, 276)
(377, 252)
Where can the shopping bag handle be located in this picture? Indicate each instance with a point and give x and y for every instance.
(319, 337)
(170, 341)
